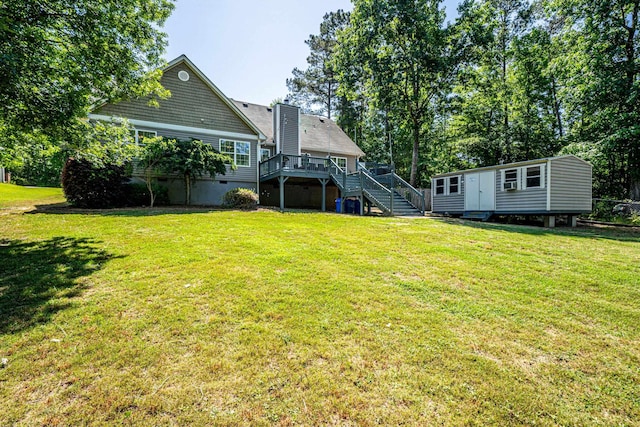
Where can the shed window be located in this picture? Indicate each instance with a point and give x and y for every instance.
(454, 185)
(440, 186)
(533, 176)
(511, 175)
(238, 151)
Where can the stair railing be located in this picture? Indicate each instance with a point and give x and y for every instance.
(376, 192)
(407, 191)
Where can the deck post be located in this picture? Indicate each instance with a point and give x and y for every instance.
(282, 180)
(324, 182)
(550, 221)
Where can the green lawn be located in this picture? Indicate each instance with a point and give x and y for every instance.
(152, 317)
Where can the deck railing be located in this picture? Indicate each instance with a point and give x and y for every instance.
(291, 162)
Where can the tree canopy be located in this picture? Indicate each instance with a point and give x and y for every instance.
(61, 56)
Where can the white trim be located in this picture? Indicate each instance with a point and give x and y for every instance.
(136, 135)
(276, 133)
(299, 130)
(548, 186)
(179, 128)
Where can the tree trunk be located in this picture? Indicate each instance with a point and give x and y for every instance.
(415, 153)
(187, 182)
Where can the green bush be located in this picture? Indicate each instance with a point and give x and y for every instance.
(241, 198)
(86, 185)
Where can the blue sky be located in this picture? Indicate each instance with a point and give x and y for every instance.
(249, 47)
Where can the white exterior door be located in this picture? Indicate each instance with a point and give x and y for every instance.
(480, 191)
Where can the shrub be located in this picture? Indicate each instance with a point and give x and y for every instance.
(137, 194)
(86, 185)
(241, 198)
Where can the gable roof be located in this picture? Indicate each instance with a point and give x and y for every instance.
(512, 165)
(316, 133)
(184, 108)
(183, 59)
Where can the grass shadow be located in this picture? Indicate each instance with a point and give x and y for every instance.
(66, 209)
(38, 278)
(622, 234)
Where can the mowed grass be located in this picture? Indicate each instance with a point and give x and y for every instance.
(15, 196)
(152, 317)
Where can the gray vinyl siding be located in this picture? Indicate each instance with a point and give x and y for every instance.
(526, 200)
(448, 203)
(571, 184)
(192, 103)
(241, 174)
(289, 129)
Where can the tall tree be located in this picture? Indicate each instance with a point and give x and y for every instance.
(401, 46)
(601, 39)
(60, 56)
(315, 88)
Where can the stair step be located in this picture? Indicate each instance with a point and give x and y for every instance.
(481, 215)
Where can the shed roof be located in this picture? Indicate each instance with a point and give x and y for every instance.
(317, 133)
(510, 165)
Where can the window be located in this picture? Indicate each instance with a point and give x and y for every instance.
(238, 151)
(139, 135)
(440, 186)
(534, 177)
(265, 153)
(511, 175)
(454, 185)
(523, 178)
(341, 162)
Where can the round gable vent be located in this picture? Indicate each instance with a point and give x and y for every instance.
(183, 75)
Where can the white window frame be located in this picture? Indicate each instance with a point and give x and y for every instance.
(262, 151)
(443, 186)
(337, 161)
(525, 173)
(521, 177)
(448, 184)
(137, 136)
(235, 154)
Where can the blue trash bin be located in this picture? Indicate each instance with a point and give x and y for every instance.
(338, 203)
(348, 206)
(356, 207)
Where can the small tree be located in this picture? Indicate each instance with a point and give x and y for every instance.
(155, 157)
(192, 159)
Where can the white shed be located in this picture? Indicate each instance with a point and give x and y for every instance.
(550, 187)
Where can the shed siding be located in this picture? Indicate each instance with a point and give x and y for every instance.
(453, 203)
(527, 200)
(192, 103)
(241, 174)
(570, 185)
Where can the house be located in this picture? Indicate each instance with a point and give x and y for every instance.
(196, 109)
(549, 187)
(290, 159)
(304, 137)
(249, 133)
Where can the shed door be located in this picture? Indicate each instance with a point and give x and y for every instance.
(480, 191)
